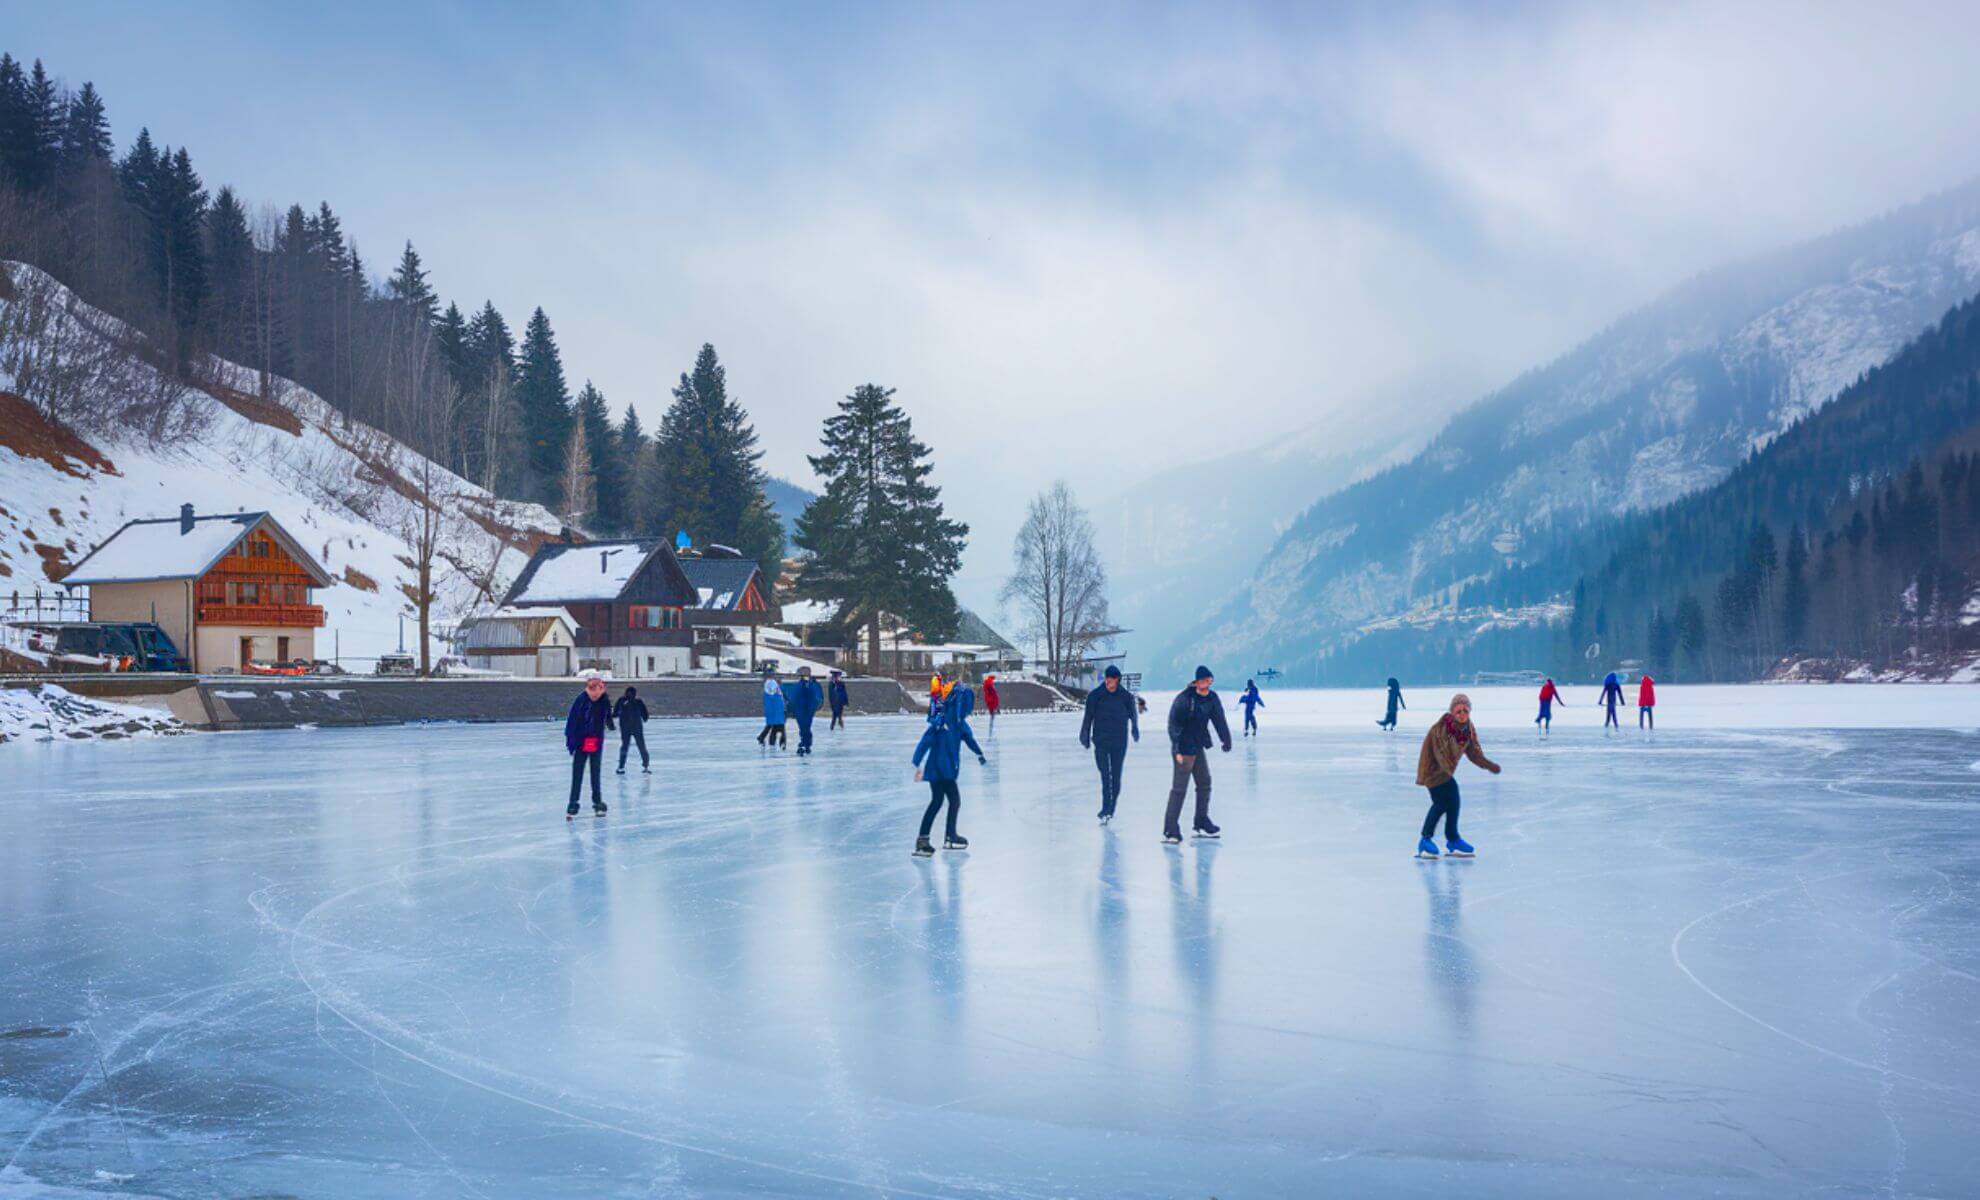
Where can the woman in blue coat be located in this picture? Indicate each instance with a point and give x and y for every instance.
(773, 713)
(804, 706)
(1611, 696)
(938, 760)
(584, 737)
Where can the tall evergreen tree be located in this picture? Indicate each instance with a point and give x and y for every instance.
(450, 337)
(708, 474)
(85, 129)
(877, 538)
(16, 138)
(41, 128)
(230, 257)
(409, 287)
(629, 471)
(545, 399)
(601, 449)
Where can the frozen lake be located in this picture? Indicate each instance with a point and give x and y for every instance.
(1740, 957)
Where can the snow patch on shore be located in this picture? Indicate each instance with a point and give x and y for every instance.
(47, 713)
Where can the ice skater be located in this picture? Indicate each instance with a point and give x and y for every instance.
(1646, 703)
(941, 746)
(836, 693)
(1250, 701)
(1548, 695)
(1111, 719)
(773, 713)
(1611, 696)
(630, 712)
(1451, 737)
(584, 737)
(1388, 721)
(804, 706)
(991, 703)
(1192, 714)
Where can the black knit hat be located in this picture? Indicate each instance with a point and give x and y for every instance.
(1204, 673)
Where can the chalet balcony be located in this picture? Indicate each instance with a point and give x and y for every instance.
(295, 616)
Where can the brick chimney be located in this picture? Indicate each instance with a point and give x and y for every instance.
(185, 519)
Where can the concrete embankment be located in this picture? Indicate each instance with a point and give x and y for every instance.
(242, 702)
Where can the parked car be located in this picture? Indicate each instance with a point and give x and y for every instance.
(397, 664)
(120, 645)
(325, 667)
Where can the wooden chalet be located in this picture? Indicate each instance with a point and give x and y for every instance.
(629, 597)
(230, 590)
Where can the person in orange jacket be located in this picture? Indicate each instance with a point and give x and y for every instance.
(1646, 704)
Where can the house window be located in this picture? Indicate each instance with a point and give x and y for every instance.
(259, 548)
(653, 616)
(247, 593)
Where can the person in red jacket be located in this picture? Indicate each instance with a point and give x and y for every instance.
(991, 703)
(1646, 703)
(1548, 694)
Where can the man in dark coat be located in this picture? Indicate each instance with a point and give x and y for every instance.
(837, 695)
(1111, 717)
(630, 713)
(805, 701)
(1195, 711)
(584, 737)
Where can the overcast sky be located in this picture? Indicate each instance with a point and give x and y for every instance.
(1078, 245)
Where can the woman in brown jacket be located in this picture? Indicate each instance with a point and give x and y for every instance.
(1451, 738)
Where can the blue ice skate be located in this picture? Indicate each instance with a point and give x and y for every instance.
(1458, 848)
(1425, 848)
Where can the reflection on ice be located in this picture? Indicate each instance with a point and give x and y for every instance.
(378, 963)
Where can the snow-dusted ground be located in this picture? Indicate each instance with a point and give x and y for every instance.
(47, 713)
(378, 963)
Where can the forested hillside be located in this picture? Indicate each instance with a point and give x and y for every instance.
(1852, 539)
(206, 275)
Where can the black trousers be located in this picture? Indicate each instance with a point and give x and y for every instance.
(772, 735)
(628, 734)
(577, 777)
(804, 735)
(1444, 804)
(1109, 760)
(941, 791)
(1193, 766)
(838, 718)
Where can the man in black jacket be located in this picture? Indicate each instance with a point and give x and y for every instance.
(1110, 718)
(1195, 711)
(630, 712)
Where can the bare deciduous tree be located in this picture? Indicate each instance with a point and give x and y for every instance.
(1057, 582)
(578, 486)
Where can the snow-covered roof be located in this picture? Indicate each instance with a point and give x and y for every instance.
(166, 548)
(533, 613)
(596, 572)
(809, 612)
(720, 582)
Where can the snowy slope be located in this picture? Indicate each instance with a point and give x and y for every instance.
(331, 483)
(1664, 403)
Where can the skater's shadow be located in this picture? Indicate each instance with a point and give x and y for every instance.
(1195, 932)
(1110, 915)
(942, 932)
(1447, 957)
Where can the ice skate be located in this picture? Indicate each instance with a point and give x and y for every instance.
(598, 809)
(1106, 818)
(620, 771)
(1458, 848)
(1425, 848)
(955, 841)
(1208, 830)
(923, 848)
(646, 770)
(1172, 839)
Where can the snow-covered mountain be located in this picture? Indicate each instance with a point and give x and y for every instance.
(342, 488)
(1664, 402)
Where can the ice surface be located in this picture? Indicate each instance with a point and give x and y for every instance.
(378, 963)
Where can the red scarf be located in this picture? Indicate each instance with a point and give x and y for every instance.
(1459, 733)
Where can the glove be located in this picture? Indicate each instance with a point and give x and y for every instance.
(1085, 744)
(1227, 747)
(982, 761)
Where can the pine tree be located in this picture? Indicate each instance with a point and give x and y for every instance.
(16, 138)
(877, 538)
(41, 129)
(230, 255)
(85, 130)
(408, 286)
(708, 478)
(631, 471)
(450, 337)
(589, 411)
(1691, 630)
(1794, 592)
(546, 405)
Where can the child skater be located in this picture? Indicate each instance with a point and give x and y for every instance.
(1548, 695)
(1251, 700)
(773, 712)
(1611, 696)
(1388, 721)
(584, 737)
(991, 703)
(941, 746)
(1646, 703)
(1451, 738)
